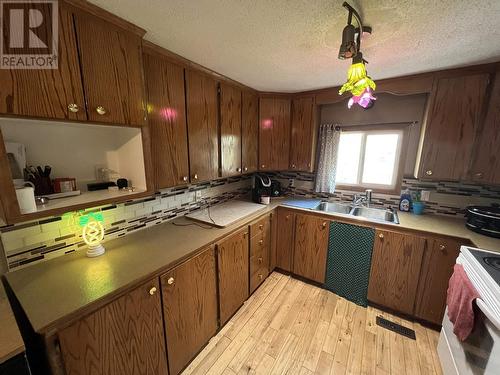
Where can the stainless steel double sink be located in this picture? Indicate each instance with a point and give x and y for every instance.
(369, 213)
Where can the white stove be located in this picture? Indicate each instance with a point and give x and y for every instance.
(480, 353)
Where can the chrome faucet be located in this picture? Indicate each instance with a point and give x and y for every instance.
(358, 199)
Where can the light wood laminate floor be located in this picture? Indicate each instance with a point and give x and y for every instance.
(290, 327)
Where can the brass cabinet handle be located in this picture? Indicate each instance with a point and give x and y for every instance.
(428, 173)
(171, 281)
(261, 276)
(260, 259)
(245, 169)
(195, 176)
(478, 175)
(73, 107)
(100, 110)
(153, 290)
(381, 235)
(238, 170)
(263, 166)
(324, 224)
(287, 217)
(293, 166)
(261, 226)
(442, 247)
(184, 178)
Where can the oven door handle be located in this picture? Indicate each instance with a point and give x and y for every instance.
(486, 310)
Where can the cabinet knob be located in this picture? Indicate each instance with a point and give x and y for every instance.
(195, 176)
(261, 242)
(100, 110)
(287, 217)
(308, 165)
(263, 166)
(73, 107)
(428, 173)
(260, 260)
(153, 290)
(261, 276)
(293, 166)
(324, 224)
(245, 169)
(478, 175)
(261, 226)
(381, 235)
(184, 178)
(238, 170)
(442, 247)
(170, 281)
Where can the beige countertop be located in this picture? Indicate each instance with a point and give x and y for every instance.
(11, 342)
(62, 289)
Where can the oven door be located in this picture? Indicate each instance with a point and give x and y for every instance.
(479, 354)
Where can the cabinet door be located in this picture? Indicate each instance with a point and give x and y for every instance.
(395, 270)
(232, 256)
(274, 134)
(303, 135)
(124, 337)
(111, 64)
(167, 121)
(452, 125)
(47, 92)
(201, 99)
(190, 308)
(486, 166)
(230, 130)
(311, 247)
(437, 267)
(285, 236)
(250, 132)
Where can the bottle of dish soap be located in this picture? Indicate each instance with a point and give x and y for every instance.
(405, 201)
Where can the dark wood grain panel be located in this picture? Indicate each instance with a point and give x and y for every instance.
(437, 268)
(189, 308)
(201, 98)
(230, 130)
(250, 132)
(112, 71)
(274, 133)
(486, 166)
(303, 135)
(47, 92)
(311, 246)
(452, 124)
(285, 237)
(124, 337)
(395, 270)
(232, 255)
(167, 121)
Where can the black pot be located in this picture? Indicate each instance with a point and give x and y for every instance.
(484, 220)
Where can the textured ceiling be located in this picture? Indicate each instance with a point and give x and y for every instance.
(292, 45)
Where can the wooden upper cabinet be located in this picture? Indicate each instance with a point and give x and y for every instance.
(437, 267)
(233, 257)
(250, 132)
(395, 270)
(111, 65)
(230, 130)
(201, 99)
(486, 166)
(311, 247)
(274, 134)
(190, 308)
(124, 337)
(453, 121)
(303, 135)
(47, 92)
(285, 237)
(167, 121)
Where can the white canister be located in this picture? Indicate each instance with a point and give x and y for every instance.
(265, 199)
(26, 199)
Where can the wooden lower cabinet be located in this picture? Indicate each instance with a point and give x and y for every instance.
(232, 256)
(437, 268)
(285, 237)
(395, 270)
(260, 249)
(190, 308)
(311, 247)
(124, 337)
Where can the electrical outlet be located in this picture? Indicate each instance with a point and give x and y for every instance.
(425, 195)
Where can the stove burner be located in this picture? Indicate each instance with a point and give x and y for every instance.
(493, 262)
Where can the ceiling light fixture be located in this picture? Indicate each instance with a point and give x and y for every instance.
(358, 82)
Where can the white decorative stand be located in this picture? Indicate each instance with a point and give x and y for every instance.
(95, 251)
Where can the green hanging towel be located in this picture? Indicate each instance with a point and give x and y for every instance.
(349, 260)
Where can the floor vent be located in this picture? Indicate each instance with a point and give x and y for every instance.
(394, 327)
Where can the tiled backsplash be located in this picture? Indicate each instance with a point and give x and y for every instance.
(35, 241)
(446, 198)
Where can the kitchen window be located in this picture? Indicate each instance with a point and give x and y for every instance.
(369, 159)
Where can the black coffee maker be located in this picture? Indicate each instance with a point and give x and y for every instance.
(261, 187)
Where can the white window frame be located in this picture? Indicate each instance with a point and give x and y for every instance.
(397, 162)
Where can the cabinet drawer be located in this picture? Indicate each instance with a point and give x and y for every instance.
(258, 261)
(257, 243)
(257, 277)
(261, 226)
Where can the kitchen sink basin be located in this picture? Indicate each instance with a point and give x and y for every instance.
(333, 207)
(374, 214)
(377, 214)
